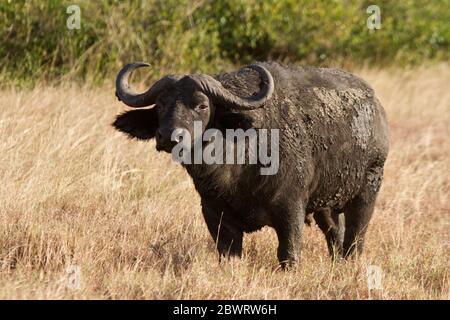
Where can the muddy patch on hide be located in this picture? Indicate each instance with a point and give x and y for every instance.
(362, 125)
(334, 103)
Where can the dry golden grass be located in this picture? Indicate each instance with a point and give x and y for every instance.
(74, 192)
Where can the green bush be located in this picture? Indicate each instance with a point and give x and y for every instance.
(185, 36)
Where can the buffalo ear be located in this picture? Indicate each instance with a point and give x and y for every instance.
(139, 124)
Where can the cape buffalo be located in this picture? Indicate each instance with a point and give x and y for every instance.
(333, 143)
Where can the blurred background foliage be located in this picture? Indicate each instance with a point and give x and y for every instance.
(189, 36)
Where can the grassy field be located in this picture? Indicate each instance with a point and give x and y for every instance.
(74, 192)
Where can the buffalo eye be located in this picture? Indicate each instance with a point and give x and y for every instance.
(201, 107)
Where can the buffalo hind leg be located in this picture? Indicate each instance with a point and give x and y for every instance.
(328, 222)
(226, 236)
(358, 213)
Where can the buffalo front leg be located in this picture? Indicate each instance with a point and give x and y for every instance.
(226, 236)
(288, 226)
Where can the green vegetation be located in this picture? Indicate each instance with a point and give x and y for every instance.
(181, 36)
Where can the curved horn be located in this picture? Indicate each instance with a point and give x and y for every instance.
(139, 100)
(214, 88)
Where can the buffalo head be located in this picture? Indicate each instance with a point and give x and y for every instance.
(178, 101)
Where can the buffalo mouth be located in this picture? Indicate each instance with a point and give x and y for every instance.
(166, 146)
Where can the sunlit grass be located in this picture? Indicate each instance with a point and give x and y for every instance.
(74, 192)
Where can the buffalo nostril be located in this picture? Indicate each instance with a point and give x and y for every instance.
(164, 135)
